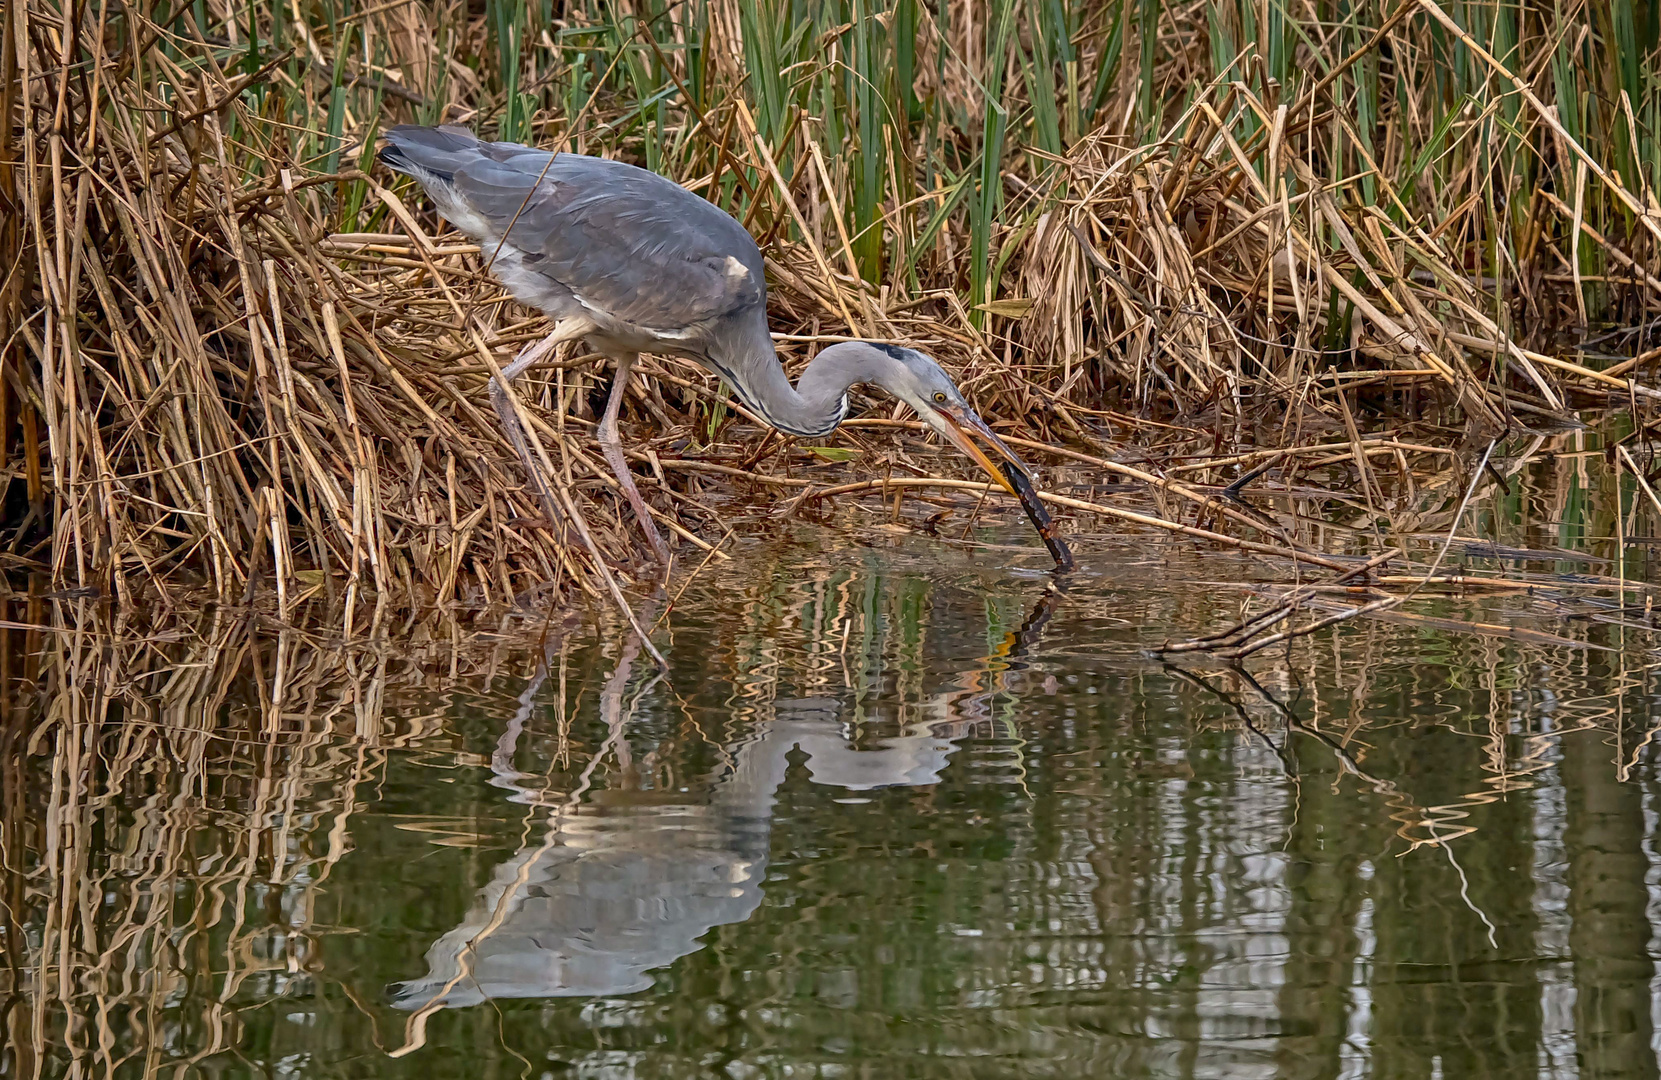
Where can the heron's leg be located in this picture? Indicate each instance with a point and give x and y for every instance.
(508, 414)
(611, 444)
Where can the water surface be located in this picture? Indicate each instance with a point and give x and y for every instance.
(896, 810)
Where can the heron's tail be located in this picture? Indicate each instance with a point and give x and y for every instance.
(429, 153)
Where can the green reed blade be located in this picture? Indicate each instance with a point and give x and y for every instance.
(333, 138)
(1409, 180)
(983, 209)
(1038, 72)
(948, 205)
(905, 58)
(1148, 28)
(1108, 57)
(868, 41)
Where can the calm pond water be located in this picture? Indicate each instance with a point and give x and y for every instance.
(893, 812)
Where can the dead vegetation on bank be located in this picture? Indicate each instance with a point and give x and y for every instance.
(1159, 240)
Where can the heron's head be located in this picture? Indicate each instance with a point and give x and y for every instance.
(920, 382)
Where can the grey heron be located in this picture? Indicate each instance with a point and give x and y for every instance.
(631, 262)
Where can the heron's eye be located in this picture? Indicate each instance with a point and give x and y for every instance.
(940, 396)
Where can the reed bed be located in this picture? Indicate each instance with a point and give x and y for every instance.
(242, 361)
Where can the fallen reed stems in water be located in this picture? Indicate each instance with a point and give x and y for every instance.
(1237, 641)
(236, 360)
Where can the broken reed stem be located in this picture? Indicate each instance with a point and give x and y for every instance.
(1283, 608)
(890, 483)
(1309, 628)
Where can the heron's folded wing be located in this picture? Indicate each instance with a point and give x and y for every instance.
(630, 244)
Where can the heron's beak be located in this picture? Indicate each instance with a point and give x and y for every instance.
(956, 424)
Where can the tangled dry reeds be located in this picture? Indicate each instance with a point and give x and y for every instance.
(236, 360)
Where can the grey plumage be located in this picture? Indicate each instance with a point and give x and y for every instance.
(632, 262)
(636, 251)
(654, 267)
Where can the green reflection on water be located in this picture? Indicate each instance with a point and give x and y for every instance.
(882, 818)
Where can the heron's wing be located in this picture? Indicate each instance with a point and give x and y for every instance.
(628, 243)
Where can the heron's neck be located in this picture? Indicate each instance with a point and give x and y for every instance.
(819, 400)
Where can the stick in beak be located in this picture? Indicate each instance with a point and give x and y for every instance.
(1008, 471)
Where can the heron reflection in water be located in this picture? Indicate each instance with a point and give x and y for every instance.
(618, 886)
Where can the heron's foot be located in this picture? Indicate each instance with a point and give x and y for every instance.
(654, 537)
(642, 513)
